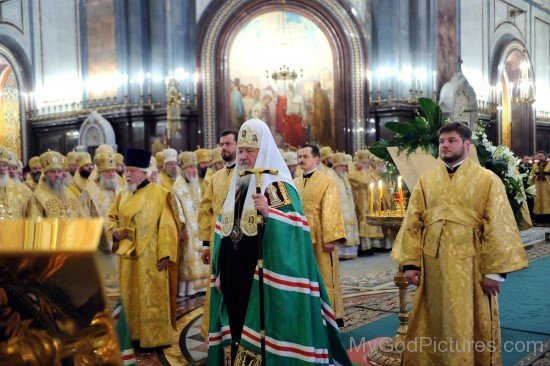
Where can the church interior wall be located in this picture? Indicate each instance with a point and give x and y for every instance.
(53, 42)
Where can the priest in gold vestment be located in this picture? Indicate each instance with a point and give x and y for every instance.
(347, 250)
(321, 204)
(168, 175)
(144, 233)
(458, 240)
(52, 198)
(540, 177)
(360, 180)
(80, 178)
(211, 205)
(100, 192)
(36, 171)
(14, 197)
(193, 273)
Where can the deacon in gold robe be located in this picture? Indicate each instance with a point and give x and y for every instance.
(193, 273)
(347, 250)
(204, 159)
(458, 240)
(326, 162)
(360, 180)
(36, 172)
(52, 198)
(144, 233)
(72, 165)
(14, 196)
(211, 205)
(168, 175)
(321, 204)
(80, 178)
(540, 177)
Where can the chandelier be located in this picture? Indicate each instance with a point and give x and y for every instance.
(284, 74)
(525, 84)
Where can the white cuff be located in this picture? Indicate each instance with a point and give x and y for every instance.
(495, 277)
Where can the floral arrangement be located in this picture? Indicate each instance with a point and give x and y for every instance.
(421, 132)
(502, 161)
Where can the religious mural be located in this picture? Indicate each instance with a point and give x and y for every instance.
(10, 130)
(281, 71)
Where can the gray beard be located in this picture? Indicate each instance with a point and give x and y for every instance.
(243, 182)
(57, 186)
(173, 174)
(3, 180)
(66, 181)
(132, 187)
(341, 174)
(109, 184)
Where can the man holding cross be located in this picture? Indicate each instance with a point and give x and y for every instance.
(273, 297)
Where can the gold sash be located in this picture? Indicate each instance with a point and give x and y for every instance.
(436, 218)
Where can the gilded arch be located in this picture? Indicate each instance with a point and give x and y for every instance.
(220, 25)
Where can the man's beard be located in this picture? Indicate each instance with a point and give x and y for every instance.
(3, 180)
(454, 157)
(15, 179)
(341, 174)
(173, 173)
(227, 157)
(244, 181)
(57, 186)
(36, 176)
(66, 180)
(85, 173)
(132, 187)
(202, 171)
(120, 173)
(109, 184)
(329, 164)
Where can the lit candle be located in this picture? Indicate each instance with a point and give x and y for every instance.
(371, 198)
(380, 194)
(434, 75)
(379, 76)
(400, 193)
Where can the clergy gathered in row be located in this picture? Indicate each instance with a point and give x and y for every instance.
(261, 232)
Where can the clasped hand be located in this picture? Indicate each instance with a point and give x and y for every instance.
(260, 204)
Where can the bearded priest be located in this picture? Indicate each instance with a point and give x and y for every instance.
(300, 326)
(458, 241)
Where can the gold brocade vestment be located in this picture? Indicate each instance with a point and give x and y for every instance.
(148, 219)
(207, 178)
(14, 200)
(30, 182)
(540, 177)
(165, 180)
(210, 206)
(457, 230)
(186, 204)
(46, 203)
(78, 184)
(321, 204)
